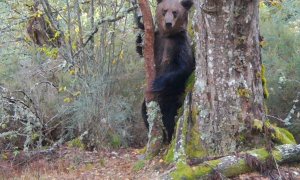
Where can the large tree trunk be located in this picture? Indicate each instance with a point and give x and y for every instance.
(226, 100)
(228, 91)
(223, 112)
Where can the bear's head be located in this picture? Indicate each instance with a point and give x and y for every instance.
(172, 16)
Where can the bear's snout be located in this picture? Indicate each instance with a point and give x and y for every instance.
(168, 25)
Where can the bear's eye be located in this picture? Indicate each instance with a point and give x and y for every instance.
(174, 14)
(165, 12)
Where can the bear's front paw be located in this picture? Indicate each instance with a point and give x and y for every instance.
(159, 84)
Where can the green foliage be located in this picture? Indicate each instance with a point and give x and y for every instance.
(108, 120)
(76, 143)
(280, 28)
(139, 165)
(115, 141)
(49, 52)
(98, 90)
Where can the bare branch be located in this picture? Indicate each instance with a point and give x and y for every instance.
(96, 28)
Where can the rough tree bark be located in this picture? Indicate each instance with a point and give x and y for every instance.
(227, 95)
(228, 91)
(155, 134)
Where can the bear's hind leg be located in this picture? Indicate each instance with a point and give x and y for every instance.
(169, 111)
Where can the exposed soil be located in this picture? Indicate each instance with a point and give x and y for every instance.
(125, 164)
(73, 163)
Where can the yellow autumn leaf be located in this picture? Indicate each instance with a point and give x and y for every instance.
(275, 3)
(3, 126)
(121, 54)
(58, 18)
(27, 39)
(263, 43)
(4, 156)
(262, 4)
(56, 35)
(77, 29)
(67, 100)
(39, 13)
(114, 62)
(62, 89)
(77, 93)
(74, 46)
(72, 72)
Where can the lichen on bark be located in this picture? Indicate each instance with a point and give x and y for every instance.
(227, 90)
(156, 128)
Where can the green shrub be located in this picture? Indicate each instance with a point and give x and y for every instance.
(280, 28)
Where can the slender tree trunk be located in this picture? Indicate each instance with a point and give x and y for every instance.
(155, 134)
(69, 28)
(149, 48)
(228, 90)
(78, 13)
(83, 57)
(92, 43)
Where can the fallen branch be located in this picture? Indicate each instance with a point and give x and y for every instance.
(48, 151)
(230, 166)
(293, 111)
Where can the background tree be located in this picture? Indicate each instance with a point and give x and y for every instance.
(72, 87)
(228, 91)
(280, 53)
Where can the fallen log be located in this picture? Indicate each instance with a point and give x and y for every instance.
(234, 165)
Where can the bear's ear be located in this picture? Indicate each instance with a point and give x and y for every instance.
(187, 4)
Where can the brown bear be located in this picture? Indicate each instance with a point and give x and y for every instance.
(173, 59)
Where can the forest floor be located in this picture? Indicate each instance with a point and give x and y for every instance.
(123, 164)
